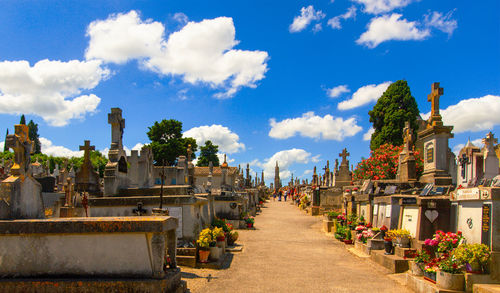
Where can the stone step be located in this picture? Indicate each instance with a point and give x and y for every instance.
(394, 263)
(486, 288)
(404, 252)
(186, 260)
(420, 285)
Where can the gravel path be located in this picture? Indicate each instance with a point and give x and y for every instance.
(288, 253)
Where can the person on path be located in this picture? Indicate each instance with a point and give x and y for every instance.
(274, 195)
(280, 194)
(286, 194)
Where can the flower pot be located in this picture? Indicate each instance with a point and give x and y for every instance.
(430, 276)
(222, 245)
(405, 242)
(348, 241)
(388, 247)
(416, 269)
(203, 255)
(450, 281)
(249, 225)
(214, 253)
(474, 268)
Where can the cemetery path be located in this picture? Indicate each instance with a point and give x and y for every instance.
(288, 252)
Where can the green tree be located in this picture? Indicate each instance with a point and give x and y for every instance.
(208, 153)
(23, 120)
(393, 109)
(5, 148)
(33, 135)
(167, 142)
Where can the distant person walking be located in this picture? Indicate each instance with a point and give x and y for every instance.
(280, 194)
(286, 194)
(274, 195)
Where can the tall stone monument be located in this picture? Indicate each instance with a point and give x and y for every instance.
(343, 176)
(435, 142)
(277, 180)
(407, 164)
(21, 194)
(115, 173)
(87, 179)
(490, 157)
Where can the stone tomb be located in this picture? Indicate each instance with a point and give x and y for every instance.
(21, 194)
(116, 171)
(477, 212)
(105, 249)
(86, 178)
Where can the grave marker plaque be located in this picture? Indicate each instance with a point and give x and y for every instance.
(486, 224)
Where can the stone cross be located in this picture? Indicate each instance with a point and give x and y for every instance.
(433, 97)
(344, 156)
(117, 125)
(86, 148)
(490, 141)
(23, 147)
(463, 161)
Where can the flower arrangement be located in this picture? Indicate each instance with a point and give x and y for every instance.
(249, 220)
(445, 242)
(383, 228)
(422, 257)
(473, 256)
(360, 228)
(365, 235)
(369, 225)
(383, 163)
(222, 223)
(217, 233)
(374, 229)
(450, 265)
(332, 214)
(205, 239)
(398, 233)
(341, 217)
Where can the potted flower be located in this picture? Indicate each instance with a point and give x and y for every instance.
(361, 221)
(215, 251)
(341, 218)
(219, 235)
(475, 257)
(383, 229)
(232, 237)
(341, 233)
(388, 245)
(203, 244)
(360, 228)
(418, 263)
(348, 237)
(450, 275)
(430, 269)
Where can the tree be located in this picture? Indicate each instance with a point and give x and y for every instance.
(208, 153)
(393, 109)
(23, 120)
(167, 142)
(5, 148)
(33, 135)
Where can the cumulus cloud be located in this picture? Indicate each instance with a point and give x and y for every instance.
(337, 91)
(382, 6)
(368, 135)
(201, 52)
(391, 27)
(364, 95)
(334, 22)
(314, 126)
(307, 15)
(50, 89)
(441, 22)
(228, 141)
(285, 159)
(50, 149)
(475, 114)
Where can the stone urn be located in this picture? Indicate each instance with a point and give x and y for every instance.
(214, 253)
(416, 269)
(404, 242)
(450, 281)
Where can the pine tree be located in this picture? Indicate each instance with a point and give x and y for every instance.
(393, 109)
(5, 148)
(33, 135)
(23, 120)
(208, 153)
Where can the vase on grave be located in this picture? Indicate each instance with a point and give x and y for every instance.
(214, 253)
(430, 276)
(388, 246)
(203, 255)
(450, 281)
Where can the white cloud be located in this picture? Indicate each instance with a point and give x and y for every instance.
(221, 158)
(334, 22)
(477, 142)
(50, 149)
(285, 159)
(201, 52)
(307, 15)
(441, 22)
(317, 27)
(181, 18)
(337, 91)
(368, 134)
(364, 95)
(50, 89)
(391, 27)
(475, 114)
(311, 125)
(222, 136)
(382, 6)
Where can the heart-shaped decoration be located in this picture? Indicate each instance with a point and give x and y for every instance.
(431, 215)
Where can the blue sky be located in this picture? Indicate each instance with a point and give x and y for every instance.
(268, 80)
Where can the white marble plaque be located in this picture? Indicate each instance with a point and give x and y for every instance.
(468, 193)
(388, 209)
(410, 219)
(375, 209)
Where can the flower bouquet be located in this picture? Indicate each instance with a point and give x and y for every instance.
(475, 257)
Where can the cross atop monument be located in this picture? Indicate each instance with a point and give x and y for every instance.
(490, 141)
(86, 148)
(344, 156)
(23, 147)
(433, 97)
(117, 125)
